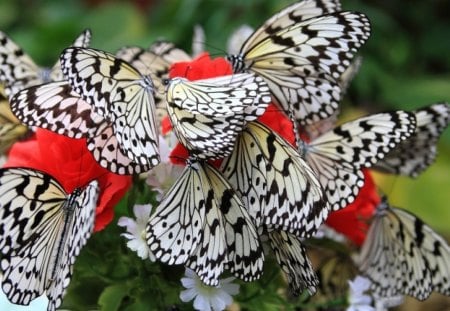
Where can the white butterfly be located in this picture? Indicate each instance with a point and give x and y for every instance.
(207, 115)
(18, 71)
(419, 151)
(404, 256)
(56, 107)
(121, 95)
(42, 232)
(302, 53)
(338, 156)
(202, 223)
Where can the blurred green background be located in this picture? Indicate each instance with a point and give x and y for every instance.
(406, 61)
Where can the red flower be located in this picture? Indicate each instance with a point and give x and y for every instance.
(352, 221)
(69, 161)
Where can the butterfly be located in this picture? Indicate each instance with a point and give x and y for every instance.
(56, 107)
(338, 156)
(404, 256)
(18, 71)
(278, 187)
(301, 52)
(42, 232)
(208, 114)
(201, 222)
(11, 130)
(419, 151)
(121, 95)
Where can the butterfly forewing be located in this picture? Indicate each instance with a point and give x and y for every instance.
(277, 186)
(302, 56)
(120, 94)
(404, 256)
(46, 230)
(207, 115)
(414, 155)
(18, 71)
(338, 155)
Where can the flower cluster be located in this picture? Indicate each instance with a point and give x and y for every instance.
(239, 165)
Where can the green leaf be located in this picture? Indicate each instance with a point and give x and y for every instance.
(111, 298)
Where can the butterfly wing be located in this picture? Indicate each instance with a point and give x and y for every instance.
(17, 69)
(338, 155)
(244, 251)
(303, 61)
(11, 130)
(414, 155)
(176, 228)
(56, 107)
(291, 256)
(277, 186)
(31, 216)
(404, 256)
(79, 231)
(207, 115)
(83, 41)
(120, 94)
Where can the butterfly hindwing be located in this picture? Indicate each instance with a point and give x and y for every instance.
(415, 154)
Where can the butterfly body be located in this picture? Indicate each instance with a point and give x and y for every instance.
(43, 231)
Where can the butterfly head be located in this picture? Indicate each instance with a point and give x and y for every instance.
(237, 62)
(147, 83)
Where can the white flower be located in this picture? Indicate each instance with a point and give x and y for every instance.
(358, 300)
(165, 173)
(136, 231)
(198, 40)
(237, 39)
(207, 298)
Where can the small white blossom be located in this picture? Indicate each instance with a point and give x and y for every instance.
(207, 298)
(136, 231)
(358, 301)
(165, 173)
(198, 41)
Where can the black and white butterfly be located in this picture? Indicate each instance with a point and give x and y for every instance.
(338, 156)
(418, 152)
(18, 71)
(278, 187)
(301, 52)
(202, 223)
(42, 232)
(121, 95)
(282, 195)
(56, 107)
(207, 115)
(403, 256)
